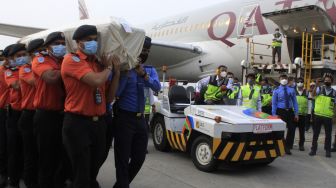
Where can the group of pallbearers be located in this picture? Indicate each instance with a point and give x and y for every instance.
(290, 100)
(56, 119)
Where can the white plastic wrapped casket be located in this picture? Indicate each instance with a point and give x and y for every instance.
(114, 37)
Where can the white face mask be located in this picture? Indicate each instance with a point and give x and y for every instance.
(300, 84)
(284, 82)
(223, 74)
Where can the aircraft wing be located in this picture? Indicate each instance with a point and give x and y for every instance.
(17, 31)
(170, 54)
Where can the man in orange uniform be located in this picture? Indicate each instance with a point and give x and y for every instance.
(4, 100)
(27, 83)
(84, 131)
(18, 57)
(49, 104)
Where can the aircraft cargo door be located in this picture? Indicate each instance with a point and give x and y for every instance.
(308, 19)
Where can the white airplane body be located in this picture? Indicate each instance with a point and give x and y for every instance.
(219, 32)
(193, 44)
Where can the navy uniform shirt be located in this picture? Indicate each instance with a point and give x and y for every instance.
(279, 99)
(131, 90)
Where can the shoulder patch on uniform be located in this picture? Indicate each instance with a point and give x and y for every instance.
(9, 73)
(27, 70)
(40, 59)
(76, 59)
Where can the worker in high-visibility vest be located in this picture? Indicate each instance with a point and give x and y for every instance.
(302, 100)
(266, 96)
(233, 92)
(214, 87)
(249, 95)
(324, 113)
(276, 45)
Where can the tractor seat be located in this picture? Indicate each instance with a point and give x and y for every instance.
(178, 99)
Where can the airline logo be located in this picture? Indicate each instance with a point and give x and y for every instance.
(255, 19)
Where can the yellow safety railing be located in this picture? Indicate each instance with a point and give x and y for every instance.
(307, 56)
(253, 51)
(323, 46)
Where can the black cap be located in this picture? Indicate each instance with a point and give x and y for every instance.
(34, 45)
(53, 37)
(84, 31)
(16, 48)
(7, 50)
(147, 43)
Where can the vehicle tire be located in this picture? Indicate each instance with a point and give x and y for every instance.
(159, 134)
(201, 154)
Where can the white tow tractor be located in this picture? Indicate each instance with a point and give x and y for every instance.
(231, 134)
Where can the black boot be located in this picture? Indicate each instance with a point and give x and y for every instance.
(312, 153)
(301, 148)
(328, 154)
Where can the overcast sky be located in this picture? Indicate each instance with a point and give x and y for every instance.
(53, 13)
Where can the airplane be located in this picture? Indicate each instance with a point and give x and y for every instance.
(193, 44)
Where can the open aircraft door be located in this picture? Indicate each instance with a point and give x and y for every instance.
(305, 29)
(308, 19)
(293, 22)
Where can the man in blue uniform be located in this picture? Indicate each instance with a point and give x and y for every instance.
(283, 102)
(131, 133)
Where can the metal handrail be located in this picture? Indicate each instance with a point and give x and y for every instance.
(324, 35)
(252, 51)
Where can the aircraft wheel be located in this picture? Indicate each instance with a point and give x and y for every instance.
(201, 154)
(159, 134)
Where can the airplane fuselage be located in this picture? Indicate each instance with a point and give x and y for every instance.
(221, 32)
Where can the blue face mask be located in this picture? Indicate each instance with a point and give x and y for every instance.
(59, 50)
(90, 47)
(22, 60)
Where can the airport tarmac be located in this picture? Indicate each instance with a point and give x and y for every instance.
(176, 170)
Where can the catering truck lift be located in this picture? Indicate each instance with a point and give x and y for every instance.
(213, 134)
